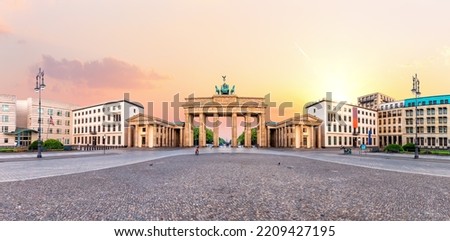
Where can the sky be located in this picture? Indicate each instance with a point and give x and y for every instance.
(294, 50)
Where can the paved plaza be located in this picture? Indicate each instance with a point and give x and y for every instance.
(223, 184)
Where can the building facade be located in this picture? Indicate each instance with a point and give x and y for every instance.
(374, 100)
(56, 119)
(345, 124)
(391, 123)
(149, 131)
(8, 120)
(297, 132)
(432, 121)
(104, 124)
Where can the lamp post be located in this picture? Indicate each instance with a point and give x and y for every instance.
(39, 87)
(416, 91)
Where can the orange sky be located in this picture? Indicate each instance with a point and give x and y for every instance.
(296, 51)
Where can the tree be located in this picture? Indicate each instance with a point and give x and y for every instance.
(254, 137)
(52, 144)
(209, 136)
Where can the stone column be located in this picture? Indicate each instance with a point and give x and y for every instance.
(258, 131)
(130, 131)
(216, 130)
(147, 135)
(319, 136)
(136, 137)
(202, 131)
(187, 129)
(172, 139)
(301, 136)
(234, 129)
(297, 136)
(248, 131)
(262, 136)
(277, 137)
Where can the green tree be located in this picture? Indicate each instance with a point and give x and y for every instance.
(409, 147)
(52, 144)
(209, 136)
(241, 138)
(33, 146)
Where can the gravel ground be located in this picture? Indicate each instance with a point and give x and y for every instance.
(229, 187)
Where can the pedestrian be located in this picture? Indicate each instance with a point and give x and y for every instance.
(196, 151)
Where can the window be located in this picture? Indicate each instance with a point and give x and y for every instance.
(59, 113)
(4, 129)
(5, 118)
(5, 108)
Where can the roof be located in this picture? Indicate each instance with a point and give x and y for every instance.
(112, 102)
(143, 118)
(21, 130)
(345, 102)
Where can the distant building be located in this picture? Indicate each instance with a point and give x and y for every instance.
(7, 120)
(391, 123)
(345, 124)
(56, 119)
(432, 121)
(372, 101)
(104, 124)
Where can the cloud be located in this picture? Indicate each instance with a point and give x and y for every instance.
(107, 73)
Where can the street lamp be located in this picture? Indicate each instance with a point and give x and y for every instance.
(39, 87)
(416, 91)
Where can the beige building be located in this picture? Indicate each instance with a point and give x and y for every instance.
(345, 124)
(148, 131)
(432, 121)
(297, 132)
(56, 119)
(8, 120)
(104, 124)
(391, 119)
(374, 100)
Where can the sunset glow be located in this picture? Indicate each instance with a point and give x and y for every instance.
(294, 50)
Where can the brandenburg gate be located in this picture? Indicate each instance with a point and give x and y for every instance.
(297, 132)
(225, 104)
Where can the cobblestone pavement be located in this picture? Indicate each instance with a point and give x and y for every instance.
(229, 186)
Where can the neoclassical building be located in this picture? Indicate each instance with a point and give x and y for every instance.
(149, 131)
(296, 132)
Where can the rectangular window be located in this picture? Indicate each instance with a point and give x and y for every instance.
(4, 129)
(5, 108)
(5, 118)
(50, 111)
